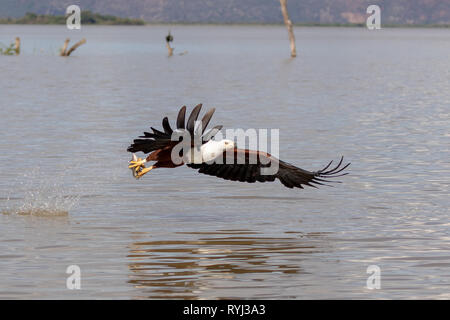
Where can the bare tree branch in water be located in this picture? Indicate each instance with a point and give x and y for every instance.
(288, 24)
(65, 53)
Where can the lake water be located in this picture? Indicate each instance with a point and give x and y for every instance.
(380, 98)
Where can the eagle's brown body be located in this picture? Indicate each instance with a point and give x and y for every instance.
(163, 158)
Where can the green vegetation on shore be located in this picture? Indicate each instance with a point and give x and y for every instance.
(87, 17)
(7, 51)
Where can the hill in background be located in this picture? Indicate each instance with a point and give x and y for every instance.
(243, 11)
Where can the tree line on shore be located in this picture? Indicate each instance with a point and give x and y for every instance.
(87, 17)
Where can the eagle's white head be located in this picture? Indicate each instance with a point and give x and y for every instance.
(226, 144)
(212, 149)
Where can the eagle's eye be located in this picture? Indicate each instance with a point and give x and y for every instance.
(226, 142)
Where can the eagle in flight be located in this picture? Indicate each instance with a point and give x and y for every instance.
(222, 158)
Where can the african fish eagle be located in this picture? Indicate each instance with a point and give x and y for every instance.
(235, 166)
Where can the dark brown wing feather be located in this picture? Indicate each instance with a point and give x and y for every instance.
(206, 118)
(166, 126)
(237, 167)
(180, 118)
(157, 139)
(192, 118)
(211, 133)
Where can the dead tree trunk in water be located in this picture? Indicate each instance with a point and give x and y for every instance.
(288, 24)
(17, 46)
(67, 53)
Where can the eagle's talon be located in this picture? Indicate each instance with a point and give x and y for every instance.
(143, 171)
(136, 170)
(137, 164)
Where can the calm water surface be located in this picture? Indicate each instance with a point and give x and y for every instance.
(381, 99)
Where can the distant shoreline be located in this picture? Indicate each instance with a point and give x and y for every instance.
(306, 25)
(312, 24)
(89, 18)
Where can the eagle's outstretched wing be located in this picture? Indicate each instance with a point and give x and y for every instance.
(237, 167)
(157, 139)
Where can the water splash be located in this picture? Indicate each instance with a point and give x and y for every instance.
(42, 195)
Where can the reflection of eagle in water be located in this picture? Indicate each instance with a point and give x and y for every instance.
(169, 37)
(221, 158)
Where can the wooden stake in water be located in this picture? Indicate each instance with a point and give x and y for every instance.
(17, 46)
